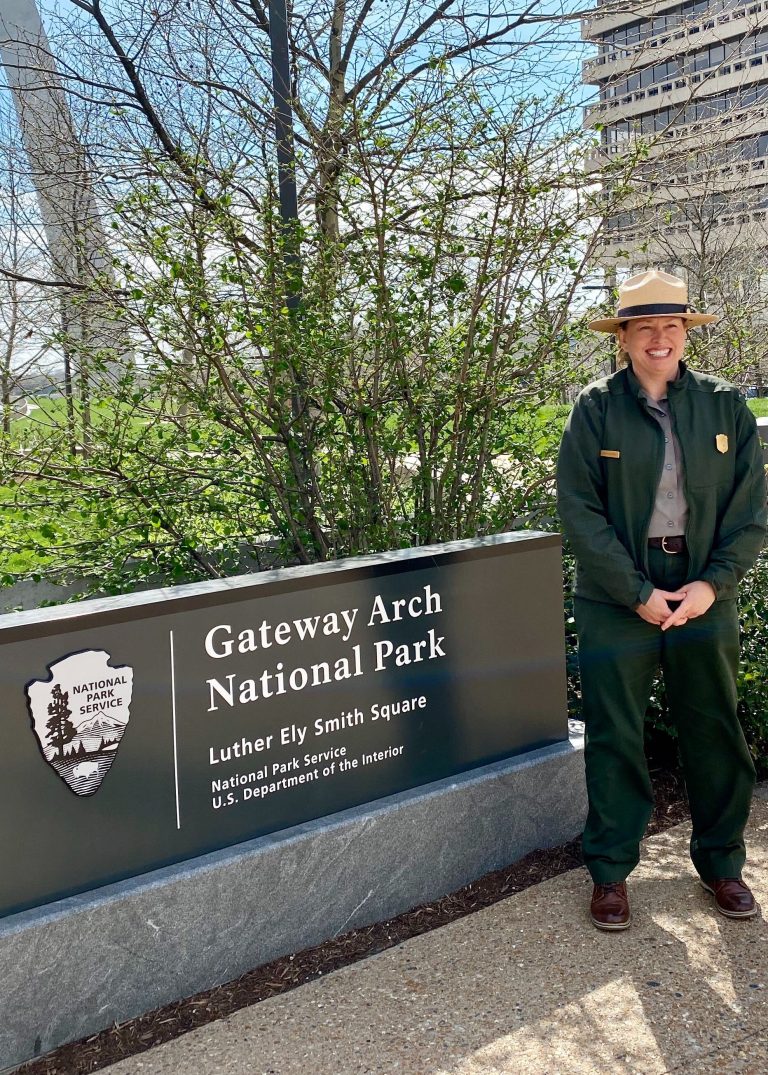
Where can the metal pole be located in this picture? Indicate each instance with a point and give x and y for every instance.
(610, 286)
(286, 153)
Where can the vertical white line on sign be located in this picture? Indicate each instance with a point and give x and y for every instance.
(175, 746)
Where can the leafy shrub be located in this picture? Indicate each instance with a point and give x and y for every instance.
(753, 667)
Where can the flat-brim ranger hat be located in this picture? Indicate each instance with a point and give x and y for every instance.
(653, 294)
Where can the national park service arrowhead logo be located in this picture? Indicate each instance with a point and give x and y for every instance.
(79, 714)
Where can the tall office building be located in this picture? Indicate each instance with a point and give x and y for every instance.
(683, 96)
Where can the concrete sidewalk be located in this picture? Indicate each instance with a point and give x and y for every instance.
(527, 986)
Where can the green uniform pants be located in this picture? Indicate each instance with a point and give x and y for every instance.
(619, 655)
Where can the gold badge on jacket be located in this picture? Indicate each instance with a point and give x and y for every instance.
(721, 442)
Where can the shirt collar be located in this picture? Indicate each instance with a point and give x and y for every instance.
(679, 384)
(643, 395)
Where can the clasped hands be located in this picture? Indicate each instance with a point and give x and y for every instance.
(695, 598)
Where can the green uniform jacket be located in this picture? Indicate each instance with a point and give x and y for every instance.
(609, 466)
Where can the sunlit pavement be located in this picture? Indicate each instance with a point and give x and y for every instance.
(527, 986)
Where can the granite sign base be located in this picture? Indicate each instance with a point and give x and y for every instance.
(74, 967)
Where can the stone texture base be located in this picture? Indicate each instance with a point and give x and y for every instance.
(75, 967)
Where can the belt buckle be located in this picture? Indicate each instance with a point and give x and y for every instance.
(669, 552)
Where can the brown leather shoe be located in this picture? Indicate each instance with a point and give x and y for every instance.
(610, 906)
(732, 897)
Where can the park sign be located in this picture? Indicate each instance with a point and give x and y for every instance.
(150, 729)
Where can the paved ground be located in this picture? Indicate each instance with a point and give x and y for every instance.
(526, 987)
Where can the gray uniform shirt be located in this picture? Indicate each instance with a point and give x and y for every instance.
(670, 510)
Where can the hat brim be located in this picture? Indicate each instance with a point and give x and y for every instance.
(692, 320)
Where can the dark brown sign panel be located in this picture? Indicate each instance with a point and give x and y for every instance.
(148, 730)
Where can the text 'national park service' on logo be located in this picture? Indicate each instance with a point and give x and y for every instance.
(79, 714)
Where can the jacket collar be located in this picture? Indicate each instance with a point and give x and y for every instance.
(678, 385)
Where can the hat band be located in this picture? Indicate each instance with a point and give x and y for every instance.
(654, 308)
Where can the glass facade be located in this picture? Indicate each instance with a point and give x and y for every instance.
(707, 108)
(690, 210)
(712, 56)
(674, 18)
(723, 83)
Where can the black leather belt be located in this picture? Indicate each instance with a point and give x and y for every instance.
(672, 545)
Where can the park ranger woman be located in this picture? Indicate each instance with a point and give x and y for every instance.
(661, 492)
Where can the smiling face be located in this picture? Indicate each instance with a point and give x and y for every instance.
(655, 346)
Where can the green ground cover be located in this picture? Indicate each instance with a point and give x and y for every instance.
(51, 412)
(47, 532)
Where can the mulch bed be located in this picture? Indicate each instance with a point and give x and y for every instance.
(138, 1035)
